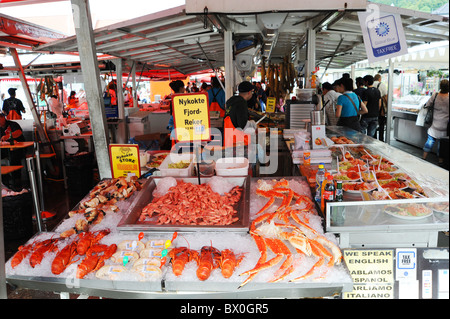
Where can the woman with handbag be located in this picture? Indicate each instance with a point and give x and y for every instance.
(347, 110)
(438, 129)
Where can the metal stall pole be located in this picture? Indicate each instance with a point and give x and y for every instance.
(34, 192)
(39, 175)
(229, 67)
(3, 292)
(133, 81)
(122, 136)
(91, 74)
(389, 106)
(63, 156)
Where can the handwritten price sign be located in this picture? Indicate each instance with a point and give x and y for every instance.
(124, 160)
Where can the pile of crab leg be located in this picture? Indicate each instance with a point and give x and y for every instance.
(288, 226)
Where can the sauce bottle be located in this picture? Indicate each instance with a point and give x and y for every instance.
(328, 192)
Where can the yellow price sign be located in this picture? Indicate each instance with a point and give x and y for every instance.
(124, 160)
(191, 117)
(271, 102)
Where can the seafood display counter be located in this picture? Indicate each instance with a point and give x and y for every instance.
(404, 116)
(410, 216)
(283, 251)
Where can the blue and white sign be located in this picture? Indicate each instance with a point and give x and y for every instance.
(383, 34)
(406, 264)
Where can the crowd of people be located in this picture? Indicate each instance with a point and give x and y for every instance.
(360, 105)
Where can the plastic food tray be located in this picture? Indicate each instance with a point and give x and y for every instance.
(130, 221)
(175, 172)
(232, 166)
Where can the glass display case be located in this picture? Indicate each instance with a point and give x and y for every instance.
(409, 104)
(404, 116)
(362, 221)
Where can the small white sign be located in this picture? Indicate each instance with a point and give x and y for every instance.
(406, 264)
(383, 34)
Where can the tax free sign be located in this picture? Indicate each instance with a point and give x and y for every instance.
(383, 34)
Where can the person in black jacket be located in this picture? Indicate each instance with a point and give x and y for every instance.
(13, 107)
(372, 98)
(236, 106)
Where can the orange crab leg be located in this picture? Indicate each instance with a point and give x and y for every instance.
(324, 251)
(281, 183)
(306, 200)
(259, 220)
(298, 221)
(272, 262)
(285, 269)
(263, 250)
(274, 245)
(316, 251)
(311, 271)
(268, 204)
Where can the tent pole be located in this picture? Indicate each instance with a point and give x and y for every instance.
(390, 97)
(91, 75)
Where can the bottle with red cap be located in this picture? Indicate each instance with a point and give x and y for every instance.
(328, 192)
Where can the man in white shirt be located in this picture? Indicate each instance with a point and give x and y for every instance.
(330, 97)
(383, 111)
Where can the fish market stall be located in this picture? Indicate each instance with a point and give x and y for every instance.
(285, 254)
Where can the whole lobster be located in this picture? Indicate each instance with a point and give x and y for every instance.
(207, 262)
(64, 258)
(88, 239)
(228, 261)
(179, 257)
(40, 249)
(20, 255)
(95, 259)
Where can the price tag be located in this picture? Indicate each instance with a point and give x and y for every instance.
(125, 160)
(271, 102)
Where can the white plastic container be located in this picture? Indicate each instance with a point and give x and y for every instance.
(175, 158)
(232, 166)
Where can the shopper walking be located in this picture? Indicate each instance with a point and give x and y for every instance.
(372, 99)
(438, 127)
(384, 102)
